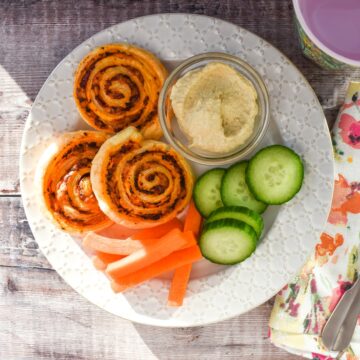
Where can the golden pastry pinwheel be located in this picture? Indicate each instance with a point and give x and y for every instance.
(118, 85)
(140, 183)
(66, 186)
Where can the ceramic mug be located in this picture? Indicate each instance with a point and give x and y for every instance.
(315, 49)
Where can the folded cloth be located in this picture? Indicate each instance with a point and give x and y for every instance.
(303, 306)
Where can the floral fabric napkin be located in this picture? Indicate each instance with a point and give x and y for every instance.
(303, 306)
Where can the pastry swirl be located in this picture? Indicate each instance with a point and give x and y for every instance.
(118, 85)
(140, 183)
(66, 186)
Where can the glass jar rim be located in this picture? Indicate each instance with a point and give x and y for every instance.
(260, 88)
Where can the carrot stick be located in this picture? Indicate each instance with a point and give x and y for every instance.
(116, 231)
(102, 260)
(109, 244)
(158, 231)
(193, 219)
(168, 263)
(178, 285)
(191, 240)
(113, 246)
(151, 253)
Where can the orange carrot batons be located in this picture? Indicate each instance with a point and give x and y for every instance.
(153, 252)
(170, 262)
(102, 260)
(158, 231)
(178, 285)
(193, 219)
(96, 242)
(116, 231)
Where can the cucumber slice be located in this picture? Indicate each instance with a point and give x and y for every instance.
(207, 196)
(227, 241)
(275, 174)
(234, 190)
(244, 214)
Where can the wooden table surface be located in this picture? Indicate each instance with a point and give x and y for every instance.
(41, 317)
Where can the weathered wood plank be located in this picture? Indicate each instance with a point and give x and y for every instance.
(17, 244)
(14, 108)
(42, 318)
(27, 26)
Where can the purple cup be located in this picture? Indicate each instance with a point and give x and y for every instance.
(329, 31)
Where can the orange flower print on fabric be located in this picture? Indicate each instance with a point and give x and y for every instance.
(346, 199)
(328, 244)
(351, 357)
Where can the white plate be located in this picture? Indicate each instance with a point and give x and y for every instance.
(297, 121)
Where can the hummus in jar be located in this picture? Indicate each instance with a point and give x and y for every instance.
(215, 107)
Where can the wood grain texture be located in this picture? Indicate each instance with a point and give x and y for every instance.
(41, 317)
(17, 246)
(60, 324)
(14, 109)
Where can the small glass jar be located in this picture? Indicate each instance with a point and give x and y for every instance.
(180, 141)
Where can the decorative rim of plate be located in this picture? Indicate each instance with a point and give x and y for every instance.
(234, 290)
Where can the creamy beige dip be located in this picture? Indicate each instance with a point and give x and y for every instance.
(215, 107)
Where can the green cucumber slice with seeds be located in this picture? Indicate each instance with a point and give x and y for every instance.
(241, 213)
(207, 196)
(234, 190)
(275, 174)
(227, 241)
